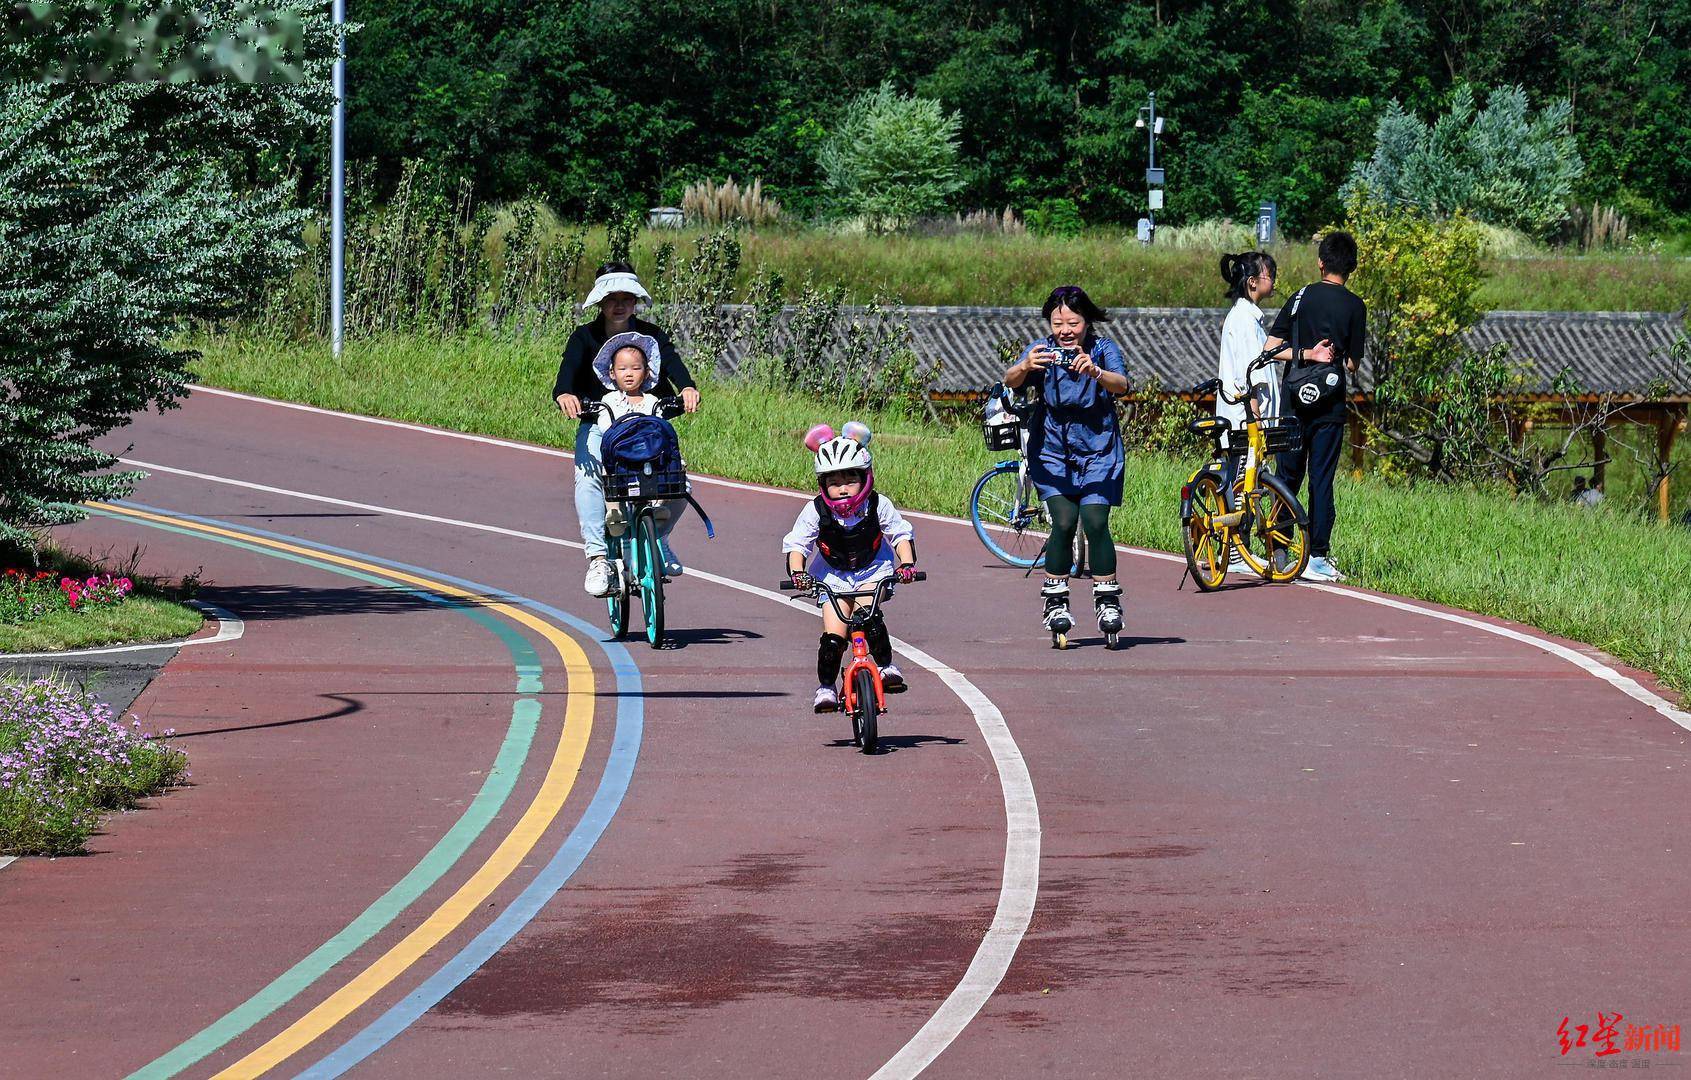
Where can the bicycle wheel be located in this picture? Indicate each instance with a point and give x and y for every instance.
(617, 602)
(1008, 517)
(649, 574)
(1277, 543)
(1206, 547)
(866, 711)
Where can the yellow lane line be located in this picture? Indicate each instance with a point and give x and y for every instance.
(548, 801)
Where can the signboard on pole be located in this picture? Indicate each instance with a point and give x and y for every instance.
(1268, 222)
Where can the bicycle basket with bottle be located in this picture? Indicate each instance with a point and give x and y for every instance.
(642, 460)
(1000, 423)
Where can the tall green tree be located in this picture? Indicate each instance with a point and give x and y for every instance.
(623, 102)
(127, 211)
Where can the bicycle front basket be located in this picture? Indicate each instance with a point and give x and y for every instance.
(625, 486)
(1283, 434)
(1003, 436)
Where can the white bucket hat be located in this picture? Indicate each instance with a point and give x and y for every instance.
(615, 282)
(644, 342)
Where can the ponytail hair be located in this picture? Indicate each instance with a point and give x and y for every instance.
(1238, 269)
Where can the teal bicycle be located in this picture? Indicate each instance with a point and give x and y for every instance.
(639, 505)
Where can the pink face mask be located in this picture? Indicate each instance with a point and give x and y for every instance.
(850, 507)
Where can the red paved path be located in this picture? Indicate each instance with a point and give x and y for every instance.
(1387, 845)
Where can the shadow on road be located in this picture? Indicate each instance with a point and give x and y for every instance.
(1126, 641)
(681, 637)
(891, 744)
(685, 694)
(274, 603)
(324, 514)
(348, 707)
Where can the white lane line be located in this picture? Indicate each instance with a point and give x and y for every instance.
(1625, 684)
(229, 627)
(527, 448)
(1020, 885)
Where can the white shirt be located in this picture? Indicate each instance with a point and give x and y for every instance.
(894, 529)
(1242, 339)
(616, 406)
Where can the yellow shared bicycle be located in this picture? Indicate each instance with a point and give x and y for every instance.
(1259, 518)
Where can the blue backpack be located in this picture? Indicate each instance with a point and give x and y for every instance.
(642, 459)
(641, 445)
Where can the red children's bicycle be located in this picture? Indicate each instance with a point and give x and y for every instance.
(861, 694)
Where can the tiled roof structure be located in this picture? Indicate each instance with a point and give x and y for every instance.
(1605, 351)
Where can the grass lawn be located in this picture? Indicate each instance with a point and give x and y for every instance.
(1607, 578)
(137, 619)
(1119, 272)
(146, 614)
(1003, 270)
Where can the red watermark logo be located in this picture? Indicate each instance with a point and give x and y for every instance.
(1637, 1038)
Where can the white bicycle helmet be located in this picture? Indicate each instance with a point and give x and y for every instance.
(843, 453)
(840, 454)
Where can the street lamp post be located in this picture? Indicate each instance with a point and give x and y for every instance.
(1153, 125)
(337, 190)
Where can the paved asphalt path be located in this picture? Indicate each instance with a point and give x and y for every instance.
(1287, 833)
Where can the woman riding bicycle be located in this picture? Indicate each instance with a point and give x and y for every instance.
(630, 365)
(618, 293)
(1075, 453)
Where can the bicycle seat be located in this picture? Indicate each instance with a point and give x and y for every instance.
(1214, 427)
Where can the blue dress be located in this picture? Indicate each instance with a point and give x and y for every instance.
(1075, 447)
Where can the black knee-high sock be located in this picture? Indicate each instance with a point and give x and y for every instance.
(880, 645)
(828, 654)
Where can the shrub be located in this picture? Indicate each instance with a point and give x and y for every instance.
(1216, 234)
(65, 759)
(1419, 275)
(696, 293)
(1499, 164)
(819, 348)
(128, 211)
(711, 204)
(892, 159)
(1055, 217)
(1600, 227)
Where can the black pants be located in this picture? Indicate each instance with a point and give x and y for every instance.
(1094, 520)
(1320, 459)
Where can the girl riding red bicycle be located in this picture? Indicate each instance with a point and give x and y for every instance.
(849, 538)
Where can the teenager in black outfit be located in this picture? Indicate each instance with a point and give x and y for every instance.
(1327, 313)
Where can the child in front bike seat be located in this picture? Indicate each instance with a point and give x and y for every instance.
(848, 538)
(629, 365)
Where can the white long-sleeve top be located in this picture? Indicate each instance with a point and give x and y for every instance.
(617, 405)
(802, 539)
(1242, 339)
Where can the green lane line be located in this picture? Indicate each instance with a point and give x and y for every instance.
(525, 718)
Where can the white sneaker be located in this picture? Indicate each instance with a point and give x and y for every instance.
(598, 581)
(892, 679)
(1239, 566)
(826, 699)
(1321, 568)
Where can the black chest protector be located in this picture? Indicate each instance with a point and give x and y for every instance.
(851, 548)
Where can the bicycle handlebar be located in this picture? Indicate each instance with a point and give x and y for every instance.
(668, 408)
(877, 594)
(1214, 386)
(822, 586)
